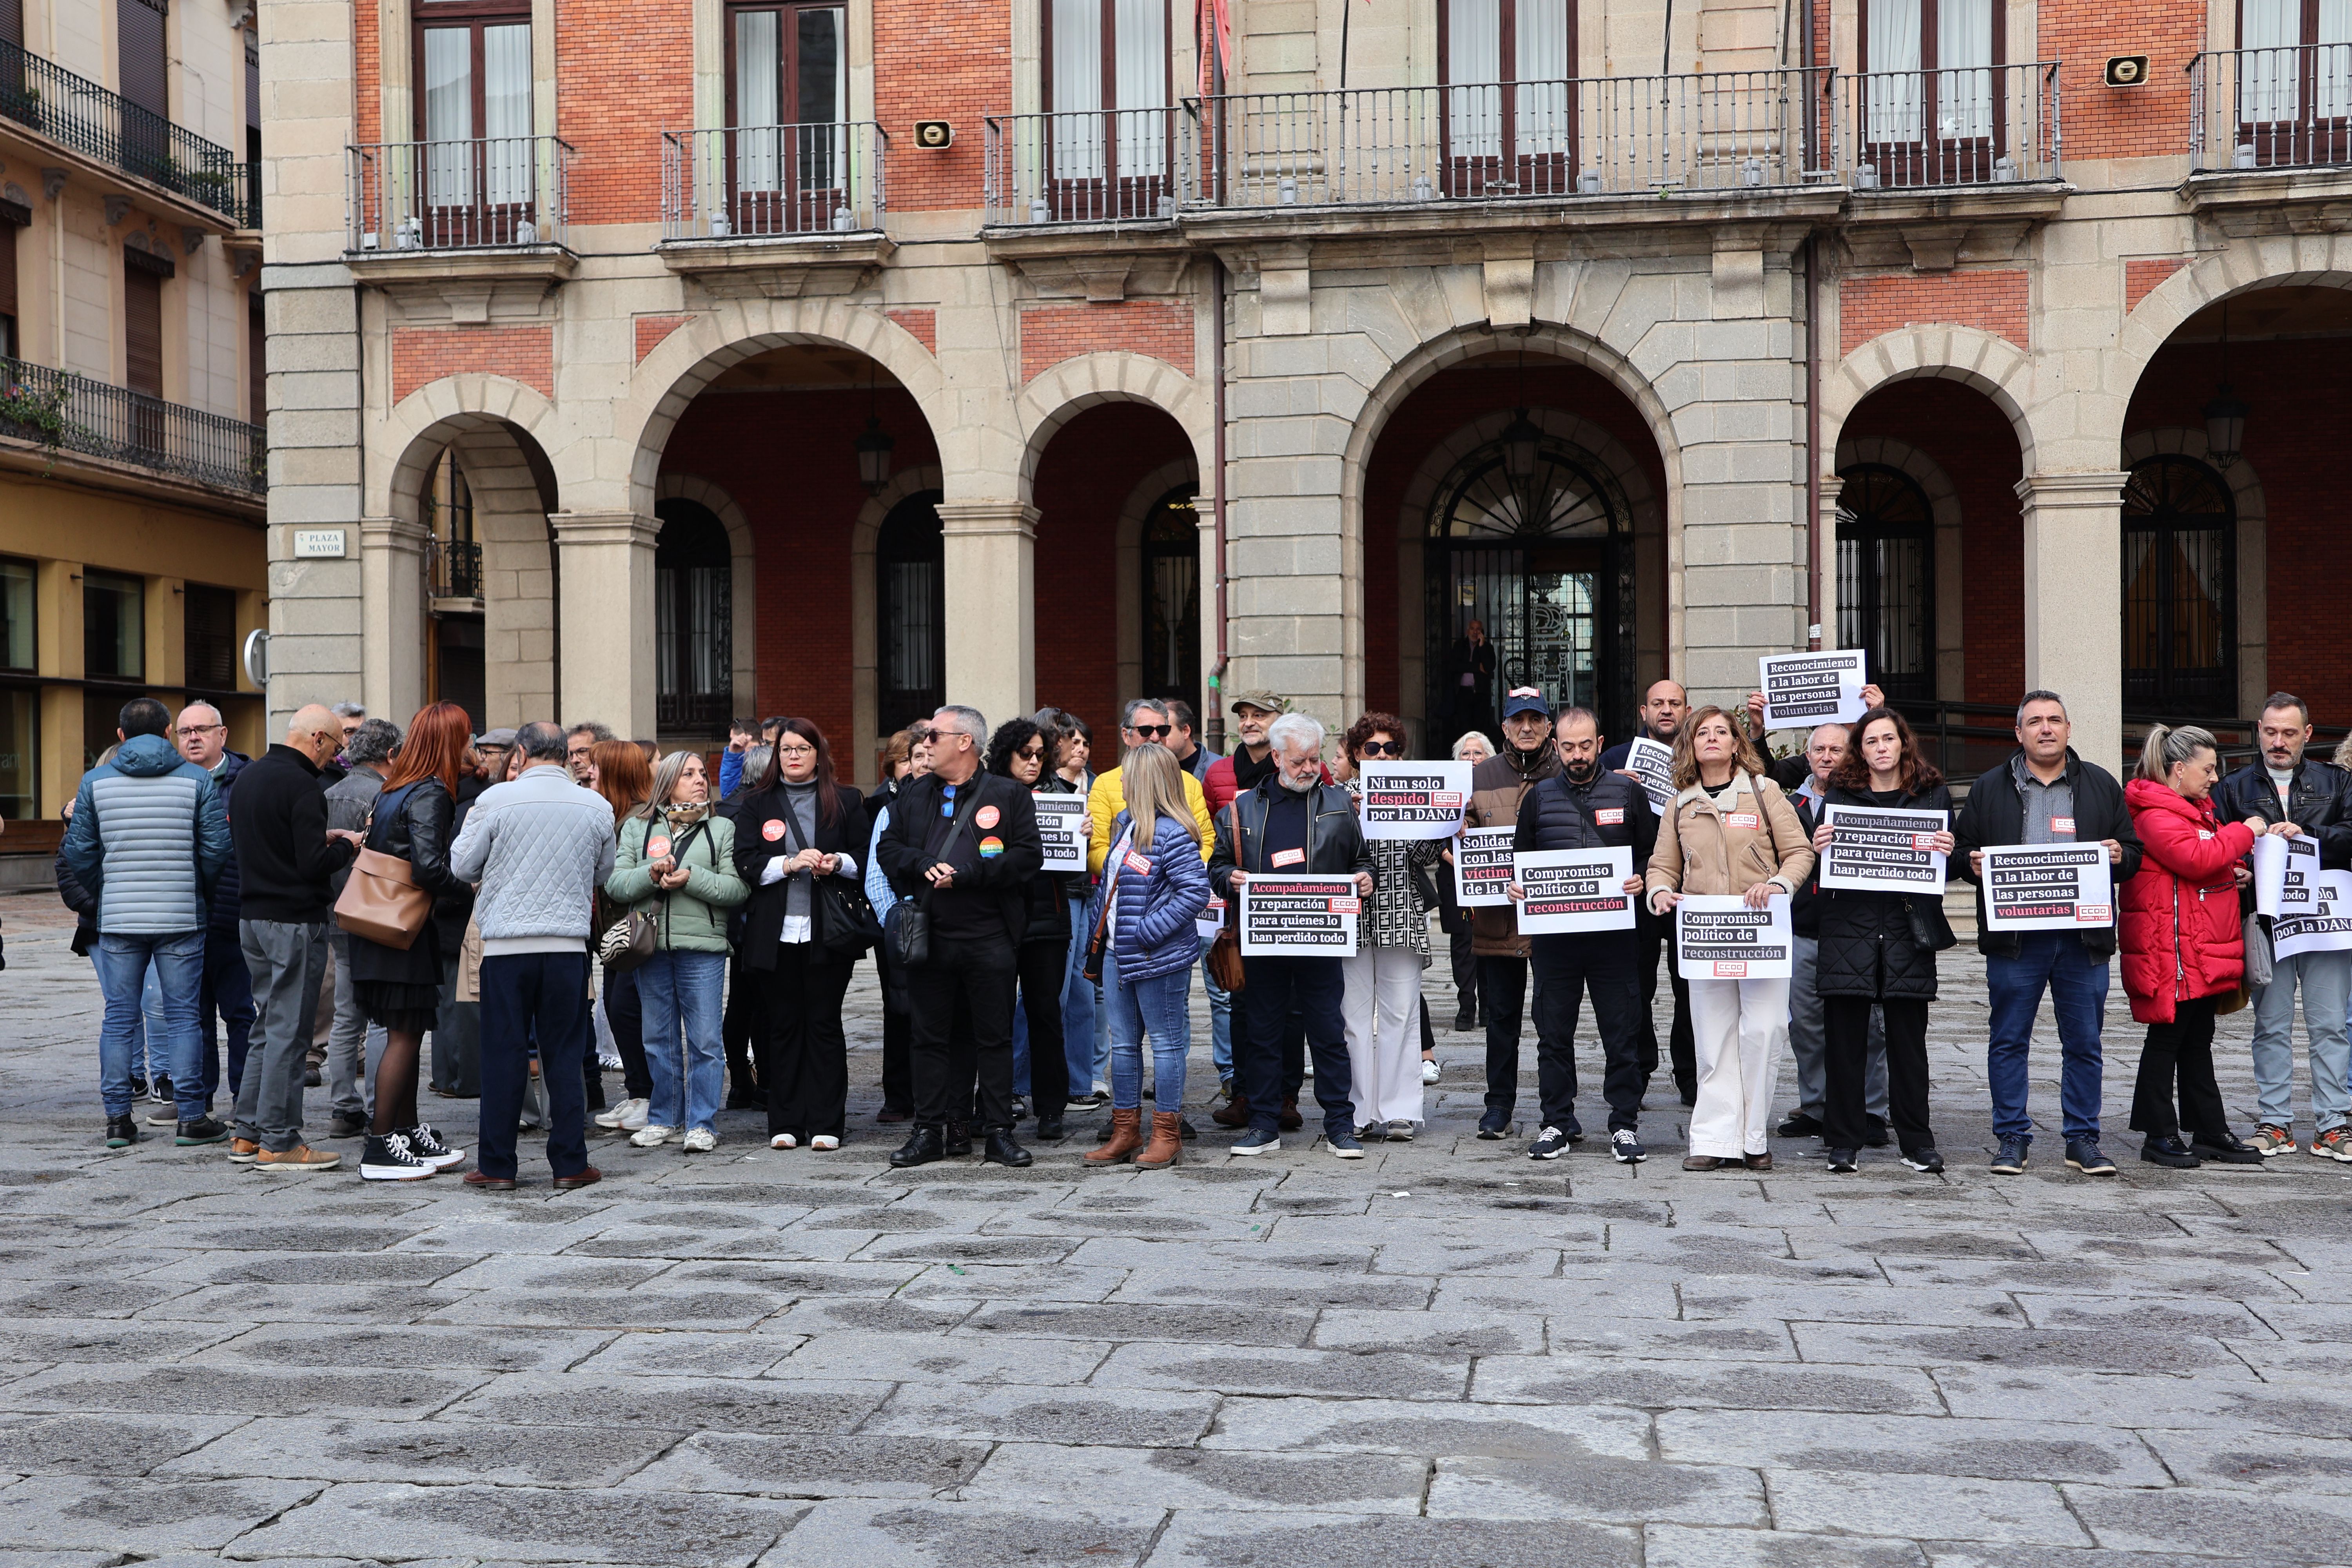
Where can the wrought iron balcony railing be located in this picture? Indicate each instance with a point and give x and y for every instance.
(758, 182)
(70, 413)
(491, 191)
(1984, 125)
(2270, 108)
(109, 129)
(1109, 165)
(457, 569)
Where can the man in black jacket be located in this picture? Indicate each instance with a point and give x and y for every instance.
(2045, 795)
(224, 1001)
(966, 842)
(1587, 806)
(2283, 786)
(1292, 823)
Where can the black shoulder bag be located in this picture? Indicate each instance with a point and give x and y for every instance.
(841, 917)
(909, 931)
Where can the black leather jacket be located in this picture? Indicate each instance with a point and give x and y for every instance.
(419, 833)
(2315, 803)
(1335, 840)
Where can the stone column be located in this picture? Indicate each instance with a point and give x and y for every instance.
(604, 619)
(392, 617)
(991, 549)
(1213, 718)
(2074, 603)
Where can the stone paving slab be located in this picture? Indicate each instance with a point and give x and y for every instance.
(1442, 1354)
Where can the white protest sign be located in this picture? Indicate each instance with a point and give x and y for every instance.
(1482, 868)
(1063, 824)
(1801, 689)
(1573, 890)
(1413, 800)
(1654, 764)
(1210, 921)
(2047, 887)
(1719, 937)
(2325, 925)
(2284, 869)
(1873, 850)
(1299, 917)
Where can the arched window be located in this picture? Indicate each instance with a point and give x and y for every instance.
(911, 613)
(1886, 577)
(2180, 590)
(1171, 599)
(694, 618)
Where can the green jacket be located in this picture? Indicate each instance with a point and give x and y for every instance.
(694, 918)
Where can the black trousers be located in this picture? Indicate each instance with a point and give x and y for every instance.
(743, 1026)
(980, 973)
(1294, 1046)
(1042, 967)
(626, 1014)
(1566, 967)
(1657, 937)
(1316, 987)
(2181, 1052)
(898, 1036)
(804, 1056)
(1465, 970)
(1845, 1031)
(1503, 984)
(541, 995)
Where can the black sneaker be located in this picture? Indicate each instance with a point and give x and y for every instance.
(1841, 1159)
(426, 1145)
(163, 1089)
(1050, 1129)
(1799, 1125)
(2083, 1154)
(1873, 1132)
(1550, 1145)
(2009, 1159)
(138, 1087)
(310, 1079)
(1626, 1147)
(921, 1148)
(121, 1132)
(342, 1124)
(1925, 1160)
(203, 1130)
(1494, 1125)
(388, 1157)
(957, 1140)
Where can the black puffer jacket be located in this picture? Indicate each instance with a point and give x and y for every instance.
(1050, 892)
(418, 830)
(1867, 948)
(1608, 811)
(82, 902)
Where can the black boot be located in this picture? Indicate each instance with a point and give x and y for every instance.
(1002, 1150)
(922, 1147)
(1050, 1129)
(959, 1139)
(121, 1132)
(1466, 1019)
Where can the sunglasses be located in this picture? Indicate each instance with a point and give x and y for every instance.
(1151, 732)
(1383, 748)
(1029, 753)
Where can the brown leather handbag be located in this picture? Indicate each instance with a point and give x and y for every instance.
(384, 902)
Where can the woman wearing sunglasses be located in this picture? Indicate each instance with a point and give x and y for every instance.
(1381, 1004)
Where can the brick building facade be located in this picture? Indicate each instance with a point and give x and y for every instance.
(842, 358)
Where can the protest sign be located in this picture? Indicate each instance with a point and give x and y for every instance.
(2047, 887)
(2284, 869)
(1063, 824)
(1573, 890)
(1299, 917)
(1413, 800)
(1482, 868)
(1801, 689)
(1719, 937)
(1654, 764)
(2323, 924)
(1210, 921)
(1878, 851)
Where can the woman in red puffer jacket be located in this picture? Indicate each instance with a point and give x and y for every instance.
(2181, 948)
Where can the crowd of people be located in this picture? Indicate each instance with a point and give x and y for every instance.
(549, 903)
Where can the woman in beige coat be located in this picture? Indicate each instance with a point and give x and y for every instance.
(1730, 832)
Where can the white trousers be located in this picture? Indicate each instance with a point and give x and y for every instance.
(1381, 1007)
(1738, 1027)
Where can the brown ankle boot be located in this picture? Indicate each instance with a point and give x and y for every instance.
(1234, 1112)
(1167, 1141)
(1126, 1138)
(1289, 1119)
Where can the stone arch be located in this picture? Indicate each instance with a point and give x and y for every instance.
(1406, 374)
(1985, 361)
(864, 695)
(743, 627)
(2253, 550)
(1127, 545)
(1058, 393)
(1944, 507)
(981, 457)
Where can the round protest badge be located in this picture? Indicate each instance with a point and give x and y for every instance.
(658, 849)
(771, 831)
(991, 848)
(986, 816)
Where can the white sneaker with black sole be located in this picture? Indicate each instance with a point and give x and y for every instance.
(426, 1145)
(390, 1159)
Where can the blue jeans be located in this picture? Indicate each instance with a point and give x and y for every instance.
(1160, 1006)
(687, 988)
(2077, 984)
(178, 961)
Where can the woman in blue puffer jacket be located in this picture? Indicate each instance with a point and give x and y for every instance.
(1157, 888)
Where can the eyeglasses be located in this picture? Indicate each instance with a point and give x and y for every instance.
(190, 732)
(1151, 732)
(796, 751)
(1383, 748)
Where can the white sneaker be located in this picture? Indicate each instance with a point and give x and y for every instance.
(784, 1141)
(701, 1141)
(1428, 1071)
(632, 1115)
(616, 1117)
(649, 1138)
(824, 1143)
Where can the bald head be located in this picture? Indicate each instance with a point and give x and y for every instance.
(1663, 708)
(316, 732)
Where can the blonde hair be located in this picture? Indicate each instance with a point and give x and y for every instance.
(1744, 759)
(1153, 786)
(2165, 749)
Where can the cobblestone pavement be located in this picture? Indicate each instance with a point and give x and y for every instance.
(1446, 1353)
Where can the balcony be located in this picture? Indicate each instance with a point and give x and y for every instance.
(105, 128)
(62, 412)
(456, 566)
(1094, 167)
(2270, 131)
(776, 209)
(1932, 130)
(501, 193)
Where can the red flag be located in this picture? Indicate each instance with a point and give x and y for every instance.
(1215, 24)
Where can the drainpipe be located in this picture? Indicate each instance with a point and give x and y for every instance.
(1812, 440)
(1216, 718)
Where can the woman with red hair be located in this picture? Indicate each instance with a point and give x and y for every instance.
(400, 989)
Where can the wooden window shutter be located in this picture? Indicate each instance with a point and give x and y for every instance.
(12, 219)
(256, 359)
(142, 330)
(138, 35)
(12, 21)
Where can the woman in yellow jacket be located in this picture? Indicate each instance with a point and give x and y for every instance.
(1729, 831)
